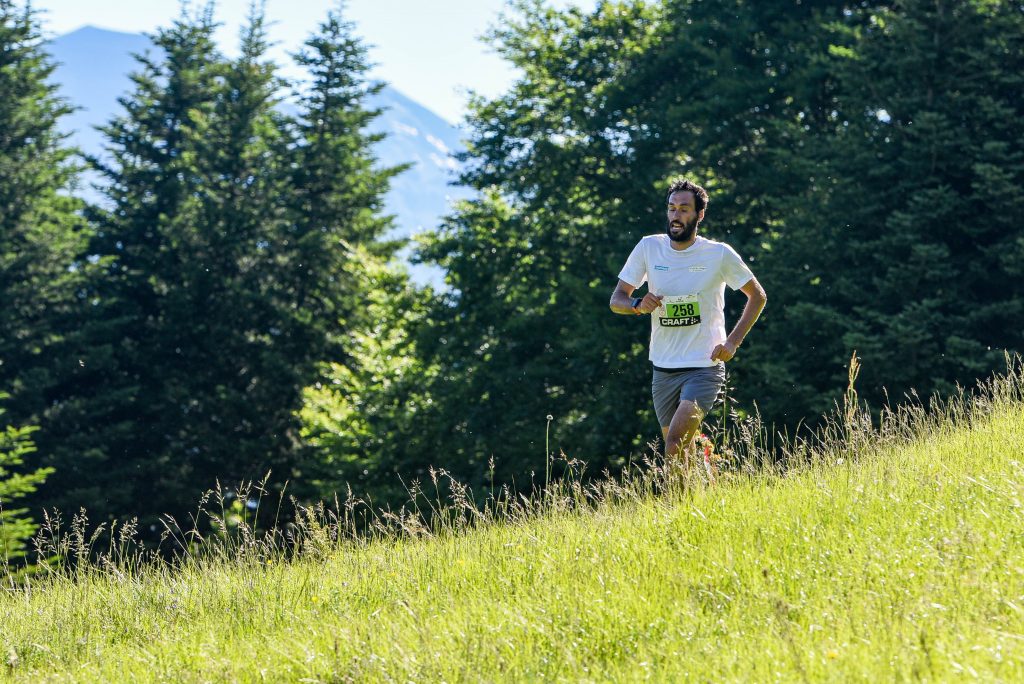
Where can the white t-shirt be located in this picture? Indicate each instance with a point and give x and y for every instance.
(691, 318)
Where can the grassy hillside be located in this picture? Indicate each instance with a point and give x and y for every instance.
(898, 558)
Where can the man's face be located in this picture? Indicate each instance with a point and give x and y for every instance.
(682, 217)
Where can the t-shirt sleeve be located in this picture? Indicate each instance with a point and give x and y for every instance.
(635, 270)
(734, 272)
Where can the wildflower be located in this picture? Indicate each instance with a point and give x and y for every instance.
(831, 654)
(705, 444)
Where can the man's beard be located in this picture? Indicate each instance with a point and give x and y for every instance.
(689, 230)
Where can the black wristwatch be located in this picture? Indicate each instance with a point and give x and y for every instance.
(634, 303)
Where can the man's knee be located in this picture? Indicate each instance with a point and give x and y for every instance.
(686, 417)
(684, 422)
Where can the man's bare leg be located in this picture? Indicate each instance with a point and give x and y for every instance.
(680, 433)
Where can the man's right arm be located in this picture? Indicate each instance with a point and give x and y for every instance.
(622, 300)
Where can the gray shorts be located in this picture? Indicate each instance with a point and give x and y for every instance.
(702, 386)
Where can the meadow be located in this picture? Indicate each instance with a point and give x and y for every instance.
(881, 553)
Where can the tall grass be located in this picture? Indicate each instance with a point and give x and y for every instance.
(862, 550)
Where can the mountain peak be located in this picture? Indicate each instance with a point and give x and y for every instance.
(89, 30)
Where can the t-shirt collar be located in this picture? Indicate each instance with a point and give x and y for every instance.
(689, 249)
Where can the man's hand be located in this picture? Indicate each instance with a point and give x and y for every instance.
(649, 303)
(756, 299)
(622, 300)
(723, 352)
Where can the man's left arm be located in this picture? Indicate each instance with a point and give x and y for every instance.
(756, 299)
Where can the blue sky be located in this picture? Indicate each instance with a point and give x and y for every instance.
(428, 49)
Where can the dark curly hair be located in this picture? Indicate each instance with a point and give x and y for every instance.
(700, 195)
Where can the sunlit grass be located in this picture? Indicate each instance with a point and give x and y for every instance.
(898, 557)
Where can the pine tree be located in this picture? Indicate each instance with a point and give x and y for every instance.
(41, 236)
(358, 308)
(239, 353)
(339, 191)
(107, 432)
(234, 256)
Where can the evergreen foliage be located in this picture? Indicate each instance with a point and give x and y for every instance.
(362, 418)
(15, 524)
(41, 234)
(236, 310)
(356, 306)
(41, 239)
(111, 432)
(578, 154)
(525, 330)
(229, 249)
(774, 107)
(909, 248)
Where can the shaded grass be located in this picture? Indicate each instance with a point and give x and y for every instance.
(898, 556)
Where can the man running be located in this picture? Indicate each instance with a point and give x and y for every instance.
(686, 277)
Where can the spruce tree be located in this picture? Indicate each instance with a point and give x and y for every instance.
(108, 432)
(235, 258)
(339, 189)
(41, 236)
(357, 306)
(236, 354)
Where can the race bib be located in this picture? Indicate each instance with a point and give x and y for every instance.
(680, 311)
